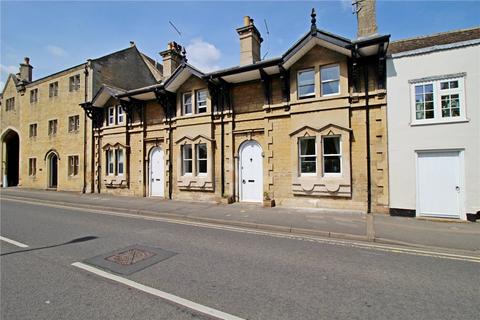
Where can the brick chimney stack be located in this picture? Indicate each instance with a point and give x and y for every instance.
(25, 73)
(366, 18)
(250, 41)
(172, 58)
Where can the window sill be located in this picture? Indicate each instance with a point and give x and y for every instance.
(437, 121)
(193, 115)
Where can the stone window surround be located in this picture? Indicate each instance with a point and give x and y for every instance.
(194, 112)
(34, 95)
(294, 97)
(194, 181)
(32, 167)
(77, 125)
(435, 80)
(320, 184)
(116, 180)
(69, 158)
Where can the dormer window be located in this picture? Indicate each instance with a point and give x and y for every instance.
(120, 115)
(330, 78)
(187, 103)
(111, 116)
(306, 83)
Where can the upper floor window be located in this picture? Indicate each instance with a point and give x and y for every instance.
(332, 155)
(306, 83)
(10, 104)
(32, 132)
(187, 159)
(53, 89)
(201, 158)
(74, 83)
(52, 127)
(120, 114)
(330, 78)
(201, 101)
(439, 100)
(73, 123)
(33, 95)
(111, 116)
(187, 103)
(73, 165)
(307, 156)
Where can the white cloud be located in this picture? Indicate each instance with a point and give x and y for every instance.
(346, 5)
(56, 51)
(6, 70)
(203, 55)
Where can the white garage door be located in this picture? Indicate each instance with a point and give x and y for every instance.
(439, 184)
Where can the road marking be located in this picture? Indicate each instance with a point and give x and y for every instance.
(344, 243)
(214, 313)
(15, 243)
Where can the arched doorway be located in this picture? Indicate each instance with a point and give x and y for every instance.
(157, 173)
(250, 172)
(11, 158)
(52, 164)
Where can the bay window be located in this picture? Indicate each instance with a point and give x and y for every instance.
(332, 155)
(201, 153)
(307, 156)
(109, 162)
(187, 159)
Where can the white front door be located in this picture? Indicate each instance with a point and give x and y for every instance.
(157, 183)
(251, 172)
(439, 184)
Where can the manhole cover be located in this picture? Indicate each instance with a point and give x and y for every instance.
(131, 259)
(131, 256)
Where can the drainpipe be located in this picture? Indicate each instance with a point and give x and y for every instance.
(222, 142)
(84, 189)
(367, 125)
(170, 154)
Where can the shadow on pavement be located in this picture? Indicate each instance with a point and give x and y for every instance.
(77, 240)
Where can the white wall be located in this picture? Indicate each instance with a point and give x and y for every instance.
(404, 139)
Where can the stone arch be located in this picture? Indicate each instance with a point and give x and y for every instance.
(10, 157)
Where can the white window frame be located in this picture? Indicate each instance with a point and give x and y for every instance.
(119, 159)
(197, 155)
(185, 104)
(437, 100)
(111, 116)
(330, 80)
(184, 172)
(109, 160)
(120, 114)
(300, 156)
(310, 95)
(332, 174)
(198, 101)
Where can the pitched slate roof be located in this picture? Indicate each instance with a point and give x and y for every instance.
(434, 40)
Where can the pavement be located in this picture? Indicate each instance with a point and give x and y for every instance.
(449, 235)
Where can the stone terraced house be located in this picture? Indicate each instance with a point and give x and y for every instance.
(45, 135)
(306, 129)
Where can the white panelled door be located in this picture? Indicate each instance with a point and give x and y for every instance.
(157, 184)
(251, 172)
(439, 184)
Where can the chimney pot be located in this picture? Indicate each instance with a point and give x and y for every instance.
(27, 60)
(132, 43)
(250, 42)
(172, 58)
(25, 69)
(246, 21)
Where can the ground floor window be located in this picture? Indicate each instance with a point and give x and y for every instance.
(110, 163)
(332, 155)
(307, 156)
(73, 165)
(187, 159)
(119, 161)
(201, 158)
(115, 162)
(32, 167)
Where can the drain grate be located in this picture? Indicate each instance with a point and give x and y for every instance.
(130, 260)
(130, 257)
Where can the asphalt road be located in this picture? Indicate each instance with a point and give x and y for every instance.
(248, 275)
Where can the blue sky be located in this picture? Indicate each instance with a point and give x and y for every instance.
(57, 35)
